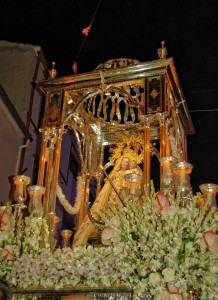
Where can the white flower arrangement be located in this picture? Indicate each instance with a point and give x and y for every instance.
(8, 244)
(163, 249)
(167, 250)
(65, 267)
(20, 236)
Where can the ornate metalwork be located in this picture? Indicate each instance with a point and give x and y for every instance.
(117, 63)
(121, 98)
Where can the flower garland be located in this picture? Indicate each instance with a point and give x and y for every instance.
(65, 203)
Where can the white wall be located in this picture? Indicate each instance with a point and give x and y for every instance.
(11, 138)
(17, 68)
(16, 73)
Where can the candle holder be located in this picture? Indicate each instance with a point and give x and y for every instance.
(167, 185)
(66, 235)
(209, 191)
(182, 181)
(53, 221)
(35, 205)
(134, 184)
(20, 194)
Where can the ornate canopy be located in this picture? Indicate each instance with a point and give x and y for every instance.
(120, 101)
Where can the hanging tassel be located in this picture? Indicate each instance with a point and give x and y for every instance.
(75, 68)
(86, 30)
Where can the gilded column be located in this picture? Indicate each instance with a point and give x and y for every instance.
(56, 165)
(40, 179)
(146, 153)
(48, 176)
(83, 209)
(165, 148)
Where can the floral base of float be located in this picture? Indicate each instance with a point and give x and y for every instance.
(93, 293)
(99, 293)
(162, 250)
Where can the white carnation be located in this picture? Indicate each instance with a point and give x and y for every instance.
(168, 274)
(154, 278)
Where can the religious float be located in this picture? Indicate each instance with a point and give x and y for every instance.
(136, 240)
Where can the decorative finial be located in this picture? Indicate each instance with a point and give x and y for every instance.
(162, 52)
(52, 73)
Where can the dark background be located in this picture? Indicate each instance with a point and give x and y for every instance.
(133, 29)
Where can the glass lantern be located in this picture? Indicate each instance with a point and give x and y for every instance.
(133, 184)
(53, 221)
(209, 191)
(66, 235)
(182, 171)
(167, 185)
(35, 205)
(20, 193)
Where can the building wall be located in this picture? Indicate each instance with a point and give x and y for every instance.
(11, 138)
(19, 67)
(17, 63)
(31, 152)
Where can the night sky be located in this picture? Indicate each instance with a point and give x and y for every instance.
(133, 29)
